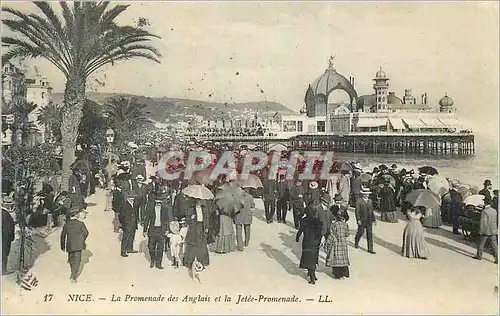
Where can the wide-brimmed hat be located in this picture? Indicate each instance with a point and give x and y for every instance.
(313, 185)
(140, 177)
(337, 198)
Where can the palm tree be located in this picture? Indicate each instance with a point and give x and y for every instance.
(50, 116)
(85, 39)
(126, 115)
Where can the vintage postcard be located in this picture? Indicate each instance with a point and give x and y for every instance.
(250, 157)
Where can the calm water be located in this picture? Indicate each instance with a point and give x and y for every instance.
(472, 170)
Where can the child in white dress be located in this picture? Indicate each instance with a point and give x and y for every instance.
(176, 237)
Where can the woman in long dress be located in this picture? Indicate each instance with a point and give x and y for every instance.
(196, 248)
(433, 218)
(337, 255)
(310, 227)
(388, 203)
(414, 244)
(225, 241)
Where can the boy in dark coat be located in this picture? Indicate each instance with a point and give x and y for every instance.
(73, 238)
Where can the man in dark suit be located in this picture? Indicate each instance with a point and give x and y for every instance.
(73, 238)
(323, 214)
(156, 226)
(365, 217)
(356, 186)
(455, 206)
(297, 194)
(141, 191)
(269, 198)
(486, 191)
(283, 195)
(8, 235)
(127, 217)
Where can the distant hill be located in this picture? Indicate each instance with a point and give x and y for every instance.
(161, 109)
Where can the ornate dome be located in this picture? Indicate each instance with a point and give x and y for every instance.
(393, 99)
(380, 74)
(332, 80)
(446, 101)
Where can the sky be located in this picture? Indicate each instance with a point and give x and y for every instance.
(229, 51)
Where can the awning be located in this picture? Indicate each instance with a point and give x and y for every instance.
(397, 123)
(433, 123)
(371, 122)
(414, 123)
(451, 122)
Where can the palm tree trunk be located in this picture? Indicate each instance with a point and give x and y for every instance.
(74, 98)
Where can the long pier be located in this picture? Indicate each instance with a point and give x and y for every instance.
(439, 144)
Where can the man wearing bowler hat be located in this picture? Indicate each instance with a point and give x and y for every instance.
(156, 225)
(365, 217)
(73, 236)
(487, 190)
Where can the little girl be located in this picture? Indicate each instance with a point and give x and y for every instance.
(176, 237)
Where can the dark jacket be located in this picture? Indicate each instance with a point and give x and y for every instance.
(73, 236)
(269, 189)
(310, 227)
(486, 193)
(8, 227)
(150, 218)
(192, 236)
(282, 190)
(356, 185)
(295, 192)
(126, 213)
(364, 212)
(324, 215)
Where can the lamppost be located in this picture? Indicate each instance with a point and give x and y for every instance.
(110, 137)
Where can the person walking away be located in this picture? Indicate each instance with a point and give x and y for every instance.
(243, 219)
(310, 227)
(156, 226)
(283, 196)
(8, 236)
(487, 190)
(270, 187)
(140, 198)
(488, 229)
(365, 218)
(356, 185)
(337, 254)
(127, 219)
(455, 206)
(388, 203)
(297, 202)
(73, 236)
(414, 244)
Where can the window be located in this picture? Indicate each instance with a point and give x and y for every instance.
(321, 126)
(43, 95)
(300, 126)
(379, 99)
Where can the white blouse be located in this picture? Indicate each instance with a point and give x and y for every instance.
(199, 213)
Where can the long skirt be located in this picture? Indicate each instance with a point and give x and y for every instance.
(340, 272)
(414, 244)
(309, 258)
(434, 220)
(225, 242)
(390, 217)
(198, 250)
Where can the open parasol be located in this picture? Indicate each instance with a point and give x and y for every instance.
(252, 181)
(423, 197)
(197, 191)
(428, 170)
(464, 191)
(229, 198)
(475, 200)
(439, 185)
(278, 147)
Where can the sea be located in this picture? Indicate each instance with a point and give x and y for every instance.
(471, 170)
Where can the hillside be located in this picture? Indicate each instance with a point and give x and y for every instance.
(161, 109)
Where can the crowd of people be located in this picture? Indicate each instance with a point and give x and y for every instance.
(225, 132)
(189, 218)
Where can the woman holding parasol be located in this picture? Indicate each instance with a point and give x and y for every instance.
(196, 248)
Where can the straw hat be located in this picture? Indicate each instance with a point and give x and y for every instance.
(313, 185)
(366, 191)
